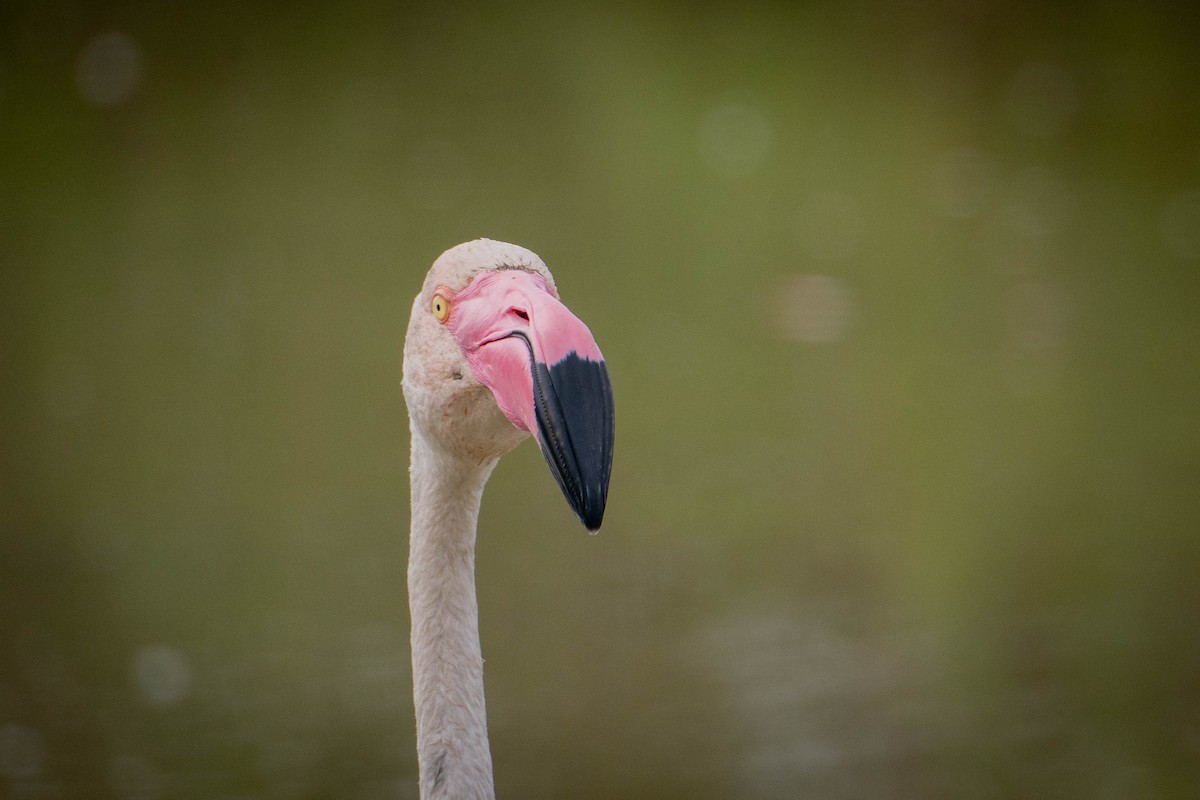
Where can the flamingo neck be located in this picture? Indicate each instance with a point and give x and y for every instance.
(452, 743)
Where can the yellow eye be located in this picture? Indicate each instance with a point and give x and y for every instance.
(441, 308)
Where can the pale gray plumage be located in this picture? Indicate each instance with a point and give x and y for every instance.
(458, 436)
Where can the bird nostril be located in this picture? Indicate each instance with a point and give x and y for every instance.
(518, 312)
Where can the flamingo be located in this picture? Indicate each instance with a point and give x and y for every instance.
(491, 357)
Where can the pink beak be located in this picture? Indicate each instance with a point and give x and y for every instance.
(547, 375)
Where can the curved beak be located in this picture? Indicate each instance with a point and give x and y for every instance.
(547, 375)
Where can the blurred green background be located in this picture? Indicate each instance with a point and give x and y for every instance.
(902, 309)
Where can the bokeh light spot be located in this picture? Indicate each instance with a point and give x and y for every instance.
(163, 675)
(1038, 204)
(813, 308)
(109, 69)
(735, 140)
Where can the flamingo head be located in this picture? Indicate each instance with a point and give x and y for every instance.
(492, 356)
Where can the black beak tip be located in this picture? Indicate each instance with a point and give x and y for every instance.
(574, 408)
(590, 501)
(591, 517)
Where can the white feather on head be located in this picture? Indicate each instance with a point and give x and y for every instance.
(447, 406)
